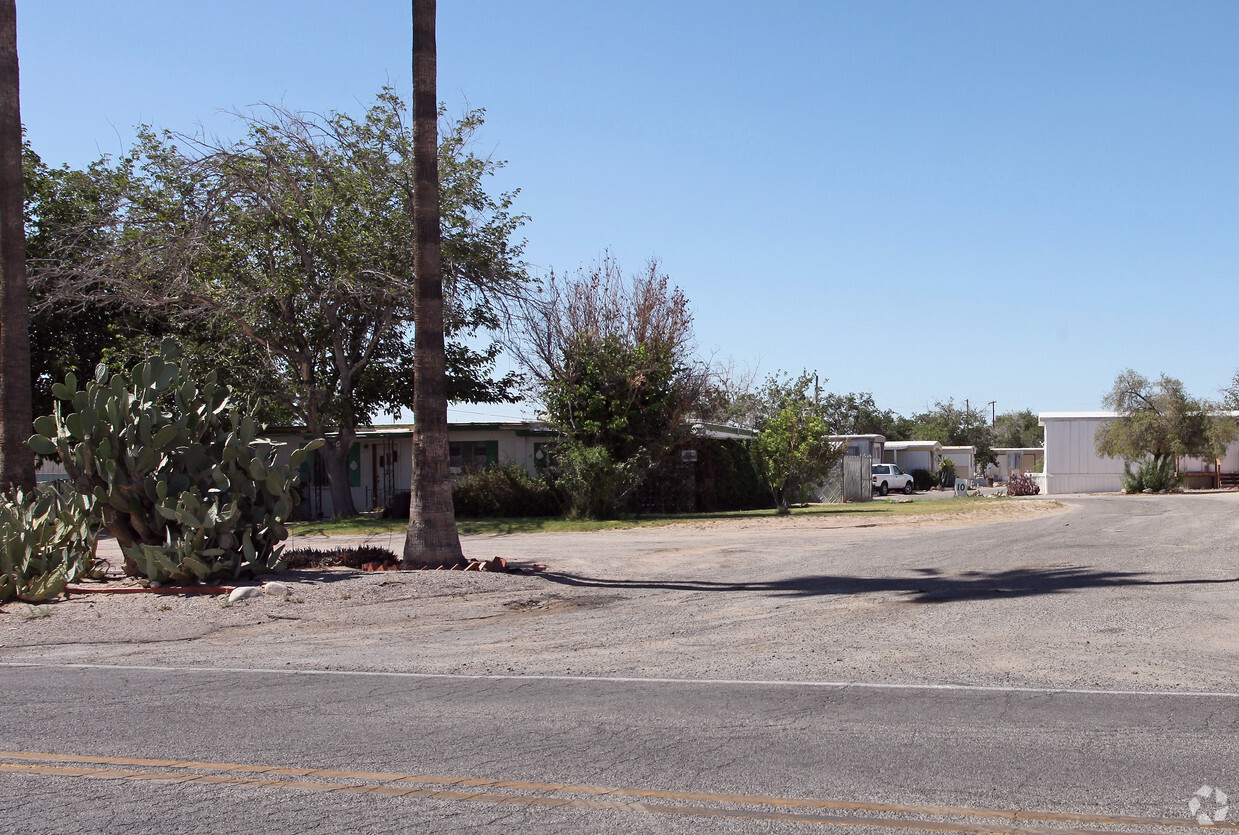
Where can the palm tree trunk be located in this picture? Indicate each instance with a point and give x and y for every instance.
(16, 459)
(432, 539)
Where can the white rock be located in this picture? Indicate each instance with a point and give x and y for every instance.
(276, 589)
(244, 592)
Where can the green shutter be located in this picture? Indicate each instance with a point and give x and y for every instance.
(492, 452)
(354, 465)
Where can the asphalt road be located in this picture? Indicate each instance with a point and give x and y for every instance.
(693, 748)
(1074, 672)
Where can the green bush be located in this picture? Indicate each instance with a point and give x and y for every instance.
(924, 479)
(594, 484)
(722, 478)
(503, 490)
(47, 541)
(735, 482)
(176, 471)
(1151, 475)
(946, 473)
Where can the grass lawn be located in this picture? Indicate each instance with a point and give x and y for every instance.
(878, 507)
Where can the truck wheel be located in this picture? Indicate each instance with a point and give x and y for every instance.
(907, 489)
(883, 489)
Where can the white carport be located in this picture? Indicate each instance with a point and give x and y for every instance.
(913, 455)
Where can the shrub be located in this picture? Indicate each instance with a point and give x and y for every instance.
(946, 473)
(723, 477)
(503, 490)
(176, 471)
(47, 541)
(924, 479)
(348, 557)
(593, 483)
(1021, 484)
(735, 482)
(498, 490)
(1151, 475)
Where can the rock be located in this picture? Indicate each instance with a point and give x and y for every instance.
(243, 593)
(276, 589)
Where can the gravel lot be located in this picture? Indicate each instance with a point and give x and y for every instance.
(1116, 592)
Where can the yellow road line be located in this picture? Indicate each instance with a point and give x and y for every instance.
(184, 775)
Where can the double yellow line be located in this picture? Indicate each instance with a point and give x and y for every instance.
(525, 793)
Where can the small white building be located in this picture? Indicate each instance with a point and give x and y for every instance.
(913, 455)
(379, 461)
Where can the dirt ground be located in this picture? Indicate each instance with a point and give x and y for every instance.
(979, 598)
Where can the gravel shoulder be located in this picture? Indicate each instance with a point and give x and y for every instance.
(1101, 591)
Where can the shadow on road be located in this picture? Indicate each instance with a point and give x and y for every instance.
(931, 587)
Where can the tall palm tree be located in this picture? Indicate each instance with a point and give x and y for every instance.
(16, 459)
(431, 539)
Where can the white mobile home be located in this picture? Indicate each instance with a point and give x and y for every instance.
(1073, 465)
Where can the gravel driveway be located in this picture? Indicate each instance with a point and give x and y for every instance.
(1115, 592)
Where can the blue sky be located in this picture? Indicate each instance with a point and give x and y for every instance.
(991, 201)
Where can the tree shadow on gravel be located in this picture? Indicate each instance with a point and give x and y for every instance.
(931, 587)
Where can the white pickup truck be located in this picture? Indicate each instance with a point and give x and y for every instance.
(888, 477)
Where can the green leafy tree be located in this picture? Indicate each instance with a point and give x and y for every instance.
(1018, 430)
(612, 360)
(290, 255)
(857, 414)
(952, 425)
(1158, 422)
(1230, 394)
(66, 218)
(792, 452)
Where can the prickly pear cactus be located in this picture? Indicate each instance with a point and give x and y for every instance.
(47, 541)
(176, 470)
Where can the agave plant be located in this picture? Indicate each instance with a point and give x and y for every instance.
(47, 541)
